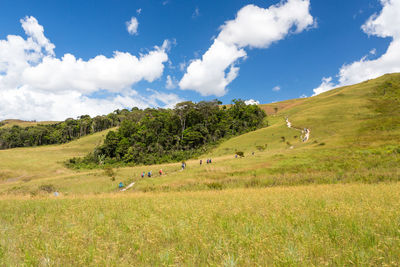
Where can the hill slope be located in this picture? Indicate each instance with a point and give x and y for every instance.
(354, 140)
(345, 145)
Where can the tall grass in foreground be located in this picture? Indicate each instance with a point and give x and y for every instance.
(311, 225)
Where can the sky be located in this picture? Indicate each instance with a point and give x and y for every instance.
(62, 59)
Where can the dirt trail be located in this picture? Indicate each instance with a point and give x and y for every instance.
(129, 186)
(305, 133)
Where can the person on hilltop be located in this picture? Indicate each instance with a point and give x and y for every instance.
(183, 165)
(149, 174)
(143, 173)
(201, 162)
(160, 172)
(120, 185)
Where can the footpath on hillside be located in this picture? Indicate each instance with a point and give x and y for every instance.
(305, 133)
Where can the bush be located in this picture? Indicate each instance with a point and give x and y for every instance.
(240, 153)
(47, 188)
(261, 148)
(215, 186)
(108, 170)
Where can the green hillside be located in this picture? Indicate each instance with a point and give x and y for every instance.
(344, 146)
(332, 200)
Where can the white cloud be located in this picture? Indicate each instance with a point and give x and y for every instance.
(276, 88)
(385, 24)
(196, 13)
(253, 27)
(132, 26)
(182, 66)
(252, 102)
(326, 85)
(373, 51)
(171, 82)
(35, 84)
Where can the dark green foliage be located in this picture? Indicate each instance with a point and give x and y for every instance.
(62, 132)
(240, 153)
(167, 135)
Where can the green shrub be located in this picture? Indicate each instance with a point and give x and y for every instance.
(47, 188)
(240, 153)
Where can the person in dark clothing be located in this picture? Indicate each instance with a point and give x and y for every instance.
(201, 162)
(149, 174)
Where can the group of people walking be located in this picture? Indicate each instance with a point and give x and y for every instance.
(149, 174)
(160, 172)
(208, 161)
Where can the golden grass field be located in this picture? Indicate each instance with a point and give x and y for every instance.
(333, 200)
(304, 225)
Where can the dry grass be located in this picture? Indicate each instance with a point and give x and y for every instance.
(308, 225)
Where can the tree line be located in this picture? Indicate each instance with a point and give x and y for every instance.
(163, 135)
(61, 132)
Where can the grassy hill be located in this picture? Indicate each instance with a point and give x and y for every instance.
(10, 123)
(326, 198)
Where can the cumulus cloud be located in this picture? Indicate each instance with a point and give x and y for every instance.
(132, 25)
(253, 27)
(35, 84)
(326, 85)
(171, 82)
(385, 24)
(252, 102)
(276, 88)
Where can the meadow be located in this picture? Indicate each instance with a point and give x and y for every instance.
(306, 225)
(333, 200)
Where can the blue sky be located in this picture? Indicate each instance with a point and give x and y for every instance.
(296, 62)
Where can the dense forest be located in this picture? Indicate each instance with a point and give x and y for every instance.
(163, 135)
(62, 132)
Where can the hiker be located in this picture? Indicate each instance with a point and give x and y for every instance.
(143, 173)
(201, 162)
(210, 161)
(121, 184)
(160, 172)
(252, 153)
(149, 174)
(235, 156)
(183, 165)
